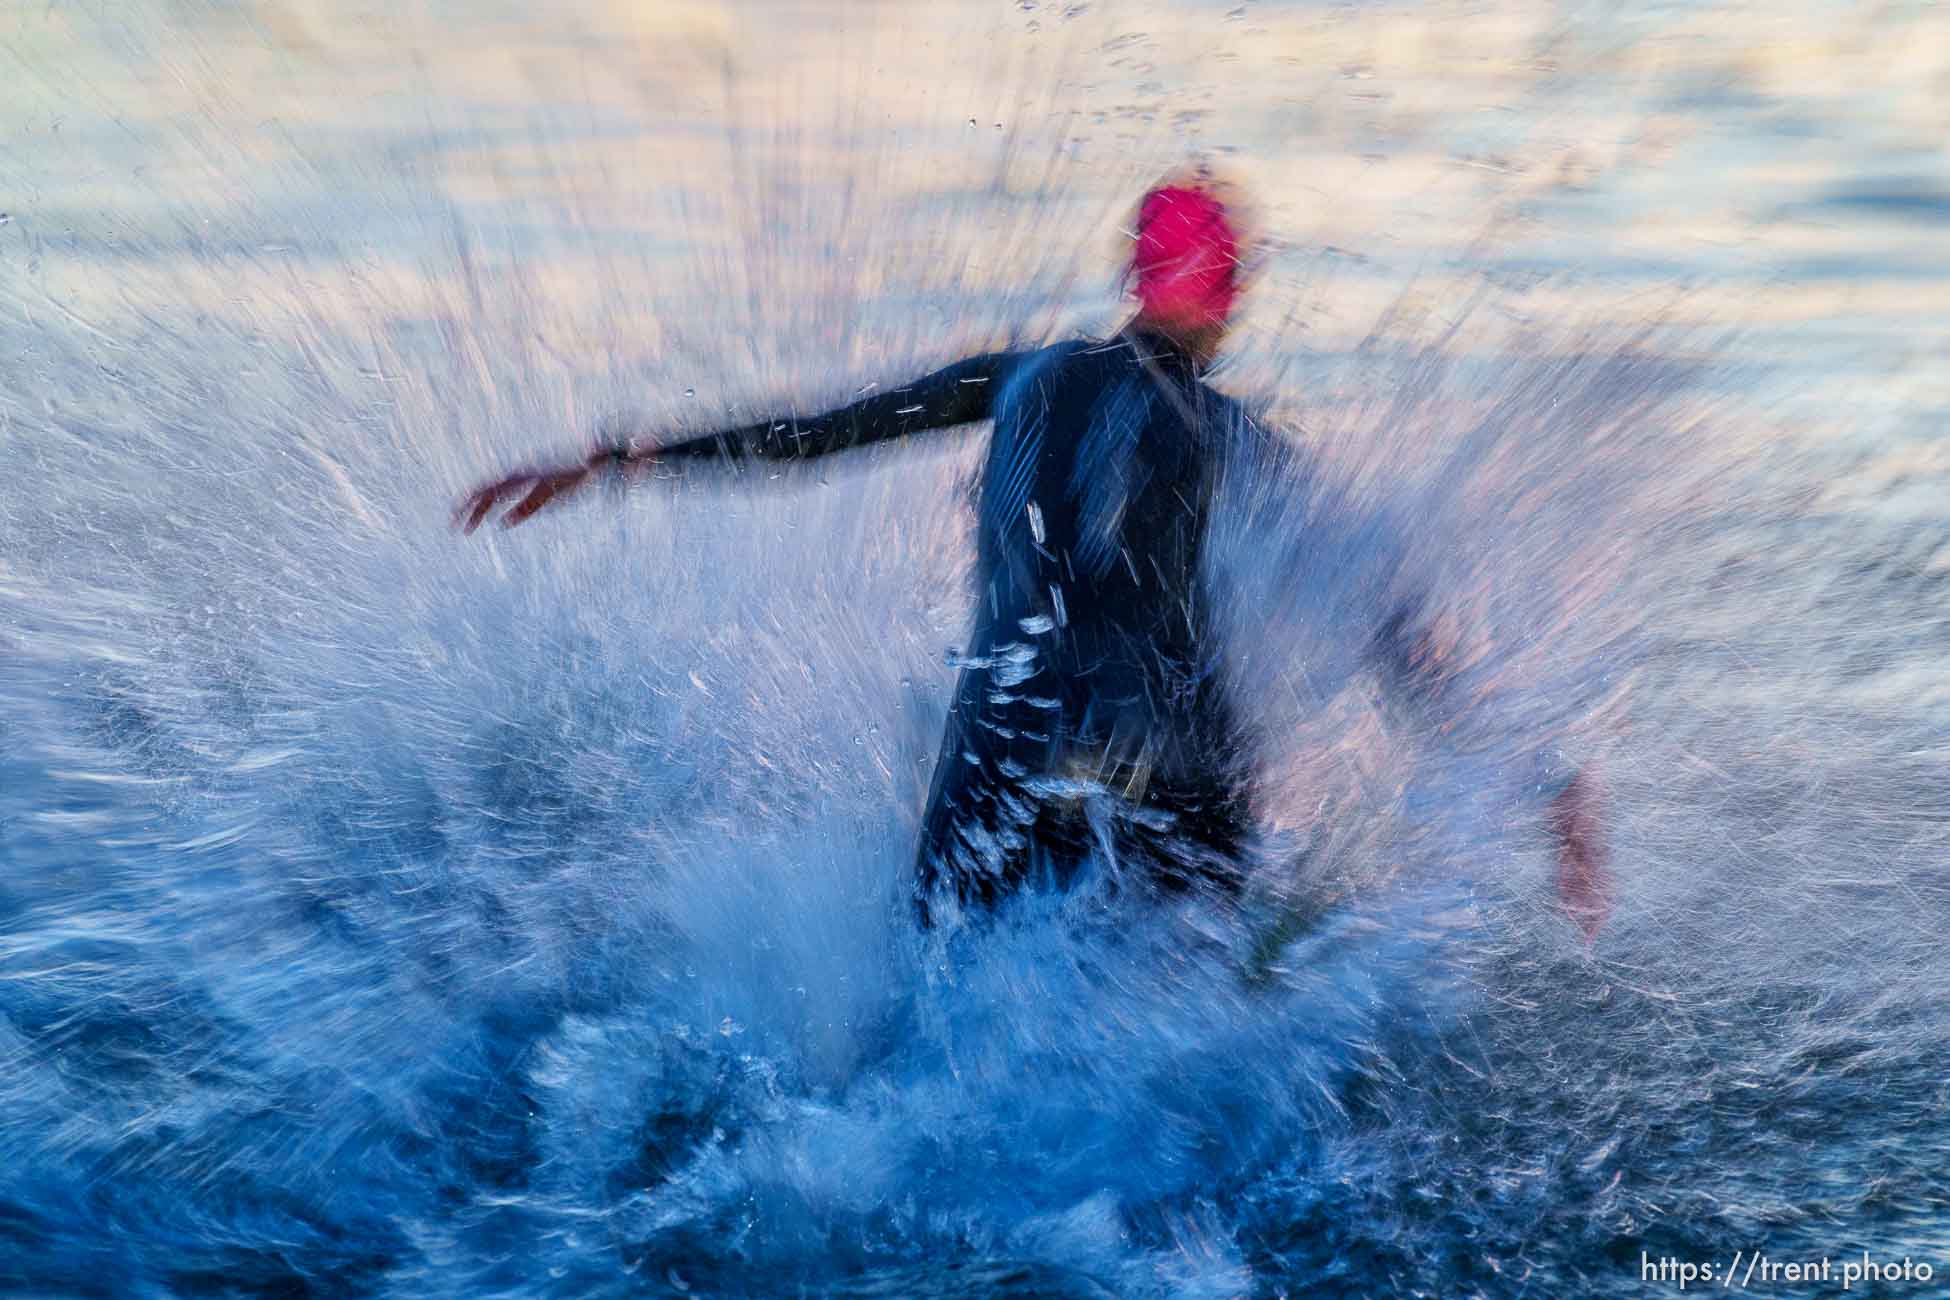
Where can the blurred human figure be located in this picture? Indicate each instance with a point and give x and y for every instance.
(1091, 722)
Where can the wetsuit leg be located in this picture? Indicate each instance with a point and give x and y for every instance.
(973, 842)
(1208, 801)
(985, 834)
(1193, 833)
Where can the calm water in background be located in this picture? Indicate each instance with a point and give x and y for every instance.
(386, 912)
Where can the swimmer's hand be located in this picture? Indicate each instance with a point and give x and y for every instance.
(534, 489)
(1584, 882)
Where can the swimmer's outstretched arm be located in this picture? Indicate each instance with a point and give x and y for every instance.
(1413, 662)
(960, 394)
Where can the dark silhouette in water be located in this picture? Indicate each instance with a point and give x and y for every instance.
(1090, 712)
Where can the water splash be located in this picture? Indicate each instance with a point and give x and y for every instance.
(387, 913)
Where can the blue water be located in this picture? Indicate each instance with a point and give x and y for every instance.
(390, 913)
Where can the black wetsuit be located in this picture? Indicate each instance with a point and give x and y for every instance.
(1088, 715)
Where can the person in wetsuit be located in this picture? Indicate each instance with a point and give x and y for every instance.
(1089, 722)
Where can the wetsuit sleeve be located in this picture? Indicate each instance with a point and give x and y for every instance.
(960, 394)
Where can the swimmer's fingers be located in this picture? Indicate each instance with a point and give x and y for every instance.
(477, 508)
(547, 489)
(469, 514)
(481, 501)
(530, 489)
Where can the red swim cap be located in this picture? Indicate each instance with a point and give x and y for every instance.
(1186, 259)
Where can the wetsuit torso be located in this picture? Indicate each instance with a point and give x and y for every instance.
(1088, 715)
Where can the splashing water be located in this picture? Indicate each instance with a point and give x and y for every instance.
(391, 913)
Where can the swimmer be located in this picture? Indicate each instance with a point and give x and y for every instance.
(1091, 713)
